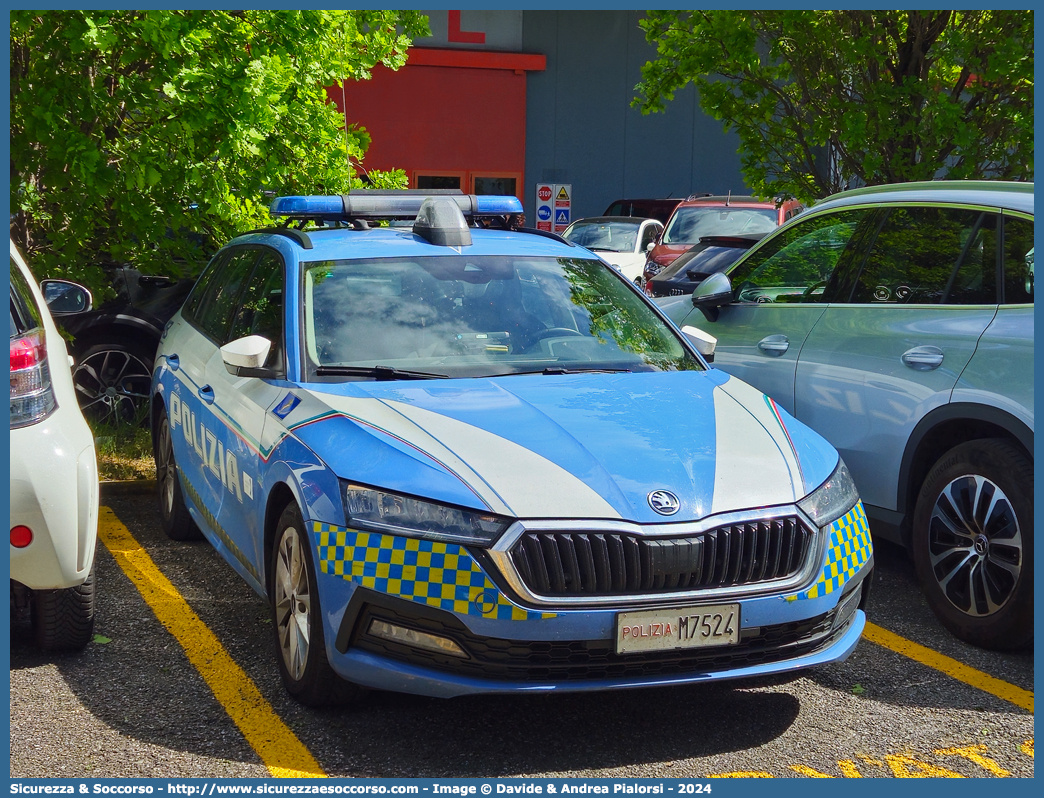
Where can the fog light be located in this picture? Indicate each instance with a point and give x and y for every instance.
(411, 637)
(21, 536)
(846, 607)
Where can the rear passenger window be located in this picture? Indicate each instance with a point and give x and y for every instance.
(1018, 261)
(195, 297)
(915, 257)
(975, 280)
(221, 295)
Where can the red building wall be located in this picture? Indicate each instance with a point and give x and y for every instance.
(447, 112)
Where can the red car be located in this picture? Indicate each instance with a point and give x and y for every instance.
(707, 215)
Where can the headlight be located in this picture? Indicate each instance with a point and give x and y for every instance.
(652, 268)
(380, 511)
(833, 498)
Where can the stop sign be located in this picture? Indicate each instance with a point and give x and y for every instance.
(544, 193)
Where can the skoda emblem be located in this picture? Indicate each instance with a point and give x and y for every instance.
(664, 502)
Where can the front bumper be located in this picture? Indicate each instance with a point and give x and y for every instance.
(509, 644)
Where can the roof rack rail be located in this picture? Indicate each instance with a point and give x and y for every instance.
(298, 236)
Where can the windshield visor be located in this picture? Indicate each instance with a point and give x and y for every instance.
(689, 225)
(463, 316)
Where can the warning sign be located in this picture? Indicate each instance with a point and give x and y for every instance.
(563, 203)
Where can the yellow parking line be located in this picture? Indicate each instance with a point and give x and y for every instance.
(951, 667)
(280, 750)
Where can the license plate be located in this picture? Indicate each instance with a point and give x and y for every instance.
(681, 627)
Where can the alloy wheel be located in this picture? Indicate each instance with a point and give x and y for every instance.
(166, 471)
(112, 385)
(975, 545)
(292, 603)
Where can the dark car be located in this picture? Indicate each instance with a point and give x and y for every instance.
(114, 345)
(660, 209)
(711, 255)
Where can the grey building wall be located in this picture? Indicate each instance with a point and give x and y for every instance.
(580, 128)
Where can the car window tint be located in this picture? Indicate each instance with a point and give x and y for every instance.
(222, 294)
(260, 311)
(195, 297)
(797, 264)
(913, 256)
(24, 312)
(1018, 261)
(974, 282)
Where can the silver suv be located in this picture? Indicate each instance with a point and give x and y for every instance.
(897, 321)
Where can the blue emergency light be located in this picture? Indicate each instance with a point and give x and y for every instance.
(377, 204)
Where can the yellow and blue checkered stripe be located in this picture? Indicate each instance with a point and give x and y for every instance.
(440, 575)
(848, 550)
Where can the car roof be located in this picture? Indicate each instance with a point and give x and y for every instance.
(608, 219)
(1010, 195)
(400, 242)
(733, 199)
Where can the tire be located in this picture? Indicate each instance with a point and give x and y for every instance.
(973, 543)
(113, 380)
(297, 619)
(63, 620)
(174, 514)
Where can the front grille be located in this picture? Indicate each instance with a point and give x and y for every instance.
(584, 660)
(618, 564)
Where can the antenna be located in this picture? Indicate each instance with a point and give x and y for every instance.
(727, 198)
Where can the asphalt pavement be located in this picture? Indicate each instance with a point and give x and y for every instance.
(132, 704)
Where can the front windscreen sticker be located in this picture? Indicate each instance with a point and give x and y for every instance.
(284, 408)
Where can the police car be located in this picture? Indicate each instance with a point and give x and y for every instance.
(460, 458)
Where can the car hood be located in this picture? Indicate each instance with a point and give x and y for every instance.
(567, 446)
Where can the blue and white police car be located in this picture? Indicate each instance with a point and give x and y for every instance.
(460, 458)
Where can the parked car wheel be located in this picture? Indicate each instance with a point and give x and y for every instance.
(63, 620)
(973, 543)
(112, 382)
(174, 514)
(297, 620)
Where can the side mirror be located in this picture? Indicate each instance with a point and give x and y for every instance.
(246, 356)
(703, 342)
(64, 298)
(711, 294)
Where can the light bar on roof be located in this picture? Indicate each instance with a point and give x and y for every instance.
(388, 205)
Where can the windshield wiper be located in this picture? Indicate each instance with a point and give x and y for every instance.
(562, 370)
(378, 373)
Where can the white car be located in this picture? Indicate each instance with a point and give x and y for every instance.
(54, 472)
(621, 241)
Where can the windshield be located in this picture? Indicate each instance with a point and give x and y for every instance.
(689, 225)
(603, 236)
(462, 316)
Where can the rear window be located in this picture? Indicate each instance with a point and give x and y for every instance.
(24, 313)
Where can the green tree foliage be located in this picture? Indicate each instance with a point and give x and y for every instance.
(894, 95)
(149, 137)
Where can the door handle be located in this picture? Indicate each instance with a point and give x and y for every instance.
(173, 362)
(923, 358)
(206, 393)
(774, 345)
